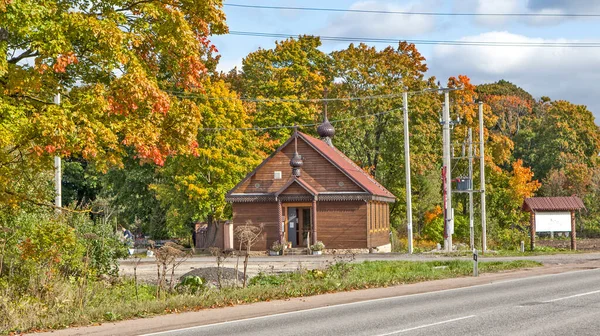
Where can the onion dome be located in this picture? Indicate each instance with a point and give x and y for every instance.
(326, 130)
(296, 163)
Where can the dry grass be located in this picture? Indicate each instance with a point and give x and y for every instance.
(110, 302)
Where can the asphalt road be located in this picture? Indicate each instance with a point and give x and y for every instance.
(561, 304)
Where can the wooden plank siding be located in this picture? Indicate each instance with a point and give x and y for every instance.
(258, 213)
(341, 225)
(316, 171)
(378, 224)
(295, 189)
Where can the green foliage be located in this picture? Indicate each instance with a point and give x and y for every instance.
(191, 285)
(504, 88)
(510, 239)
(434, 230)
(294, 68)
(101, 244)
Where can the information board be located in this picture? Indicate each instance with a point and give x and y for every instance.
(553, 222)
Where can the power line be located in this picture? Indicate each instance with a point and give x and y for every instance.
(369, 11)
(309, 100)
(292, 126)
(429, 42)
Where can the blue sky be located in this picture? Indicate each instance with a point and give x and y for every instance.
(560, 73)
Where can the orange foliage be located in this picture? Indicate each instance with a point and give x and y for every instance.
(62, 61)
(432, 215)
(521, 182)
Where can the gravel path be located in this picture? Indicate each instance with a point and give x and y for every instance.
(146, 269)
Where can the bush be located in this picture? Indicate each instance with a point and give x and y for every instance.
(510, 239)
(191, 285)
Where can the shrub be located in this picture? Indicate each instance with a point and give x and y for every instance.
(318, 246)
(191, 285)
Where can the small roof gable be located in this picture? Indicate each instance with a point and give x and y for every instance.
(347, 166)
(553, 204)
(301, 183)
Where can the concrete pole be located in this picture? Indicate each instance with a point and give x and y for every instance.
(57, 171)
(471, 226)
(482, 179)
(447, 163)
(409, 223)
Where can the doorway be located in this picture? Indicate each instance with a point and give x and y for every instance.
(298, 225)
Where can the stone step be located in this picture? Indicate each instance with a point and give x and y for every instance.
(295, 251)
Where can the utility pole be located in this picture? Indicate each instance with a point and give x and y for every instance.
(409, 224)
(471, 227)
(482, 179)
(448, 215)
(57, 171)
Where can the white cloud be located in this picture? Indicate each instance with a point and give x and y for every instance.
(558, 72)
(525, 7)
(383, 25)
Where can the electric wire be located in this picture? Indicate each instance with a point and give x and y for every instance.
(425, 42)
(181, 94)
(294, 126)
(371, 11)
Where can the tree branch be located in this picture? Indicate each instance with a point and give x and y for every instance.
(26, 54)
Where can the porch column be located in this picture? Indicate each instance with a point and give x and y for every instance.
(532, 230)
(314, 226)
(573, 233)
(279, 220)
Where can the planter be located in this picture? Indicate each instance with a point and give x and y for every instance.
(317, 252)
(274, 253)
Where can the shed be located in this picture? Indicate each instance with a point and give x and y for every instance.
(309, 191)
(553, 214)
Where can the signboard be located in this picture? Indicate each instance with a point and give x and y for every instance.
(553, 221)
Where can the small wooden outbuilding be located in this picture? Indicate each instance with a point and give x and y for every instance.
(553, 214)
(309, 191)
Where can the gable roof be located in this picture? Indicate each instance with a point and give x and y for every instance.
(337, 159)
(301, 183)
(347, 166)
(553, 204)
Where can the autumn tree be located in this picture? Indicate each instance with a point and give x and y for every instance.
(561, 134)
(293, 69)
(115, 64)
(193, 186)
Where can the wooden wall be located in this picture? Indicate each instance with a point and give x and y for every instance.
(342, 225)
(317, 172)
(378, 223)
(295, 189)
(258, 213)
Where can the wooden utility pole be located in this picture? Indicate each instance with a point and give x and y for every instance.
(409, 224)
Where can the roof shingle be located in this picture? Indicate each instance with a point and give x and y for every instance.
(553, 204)
(348, 166)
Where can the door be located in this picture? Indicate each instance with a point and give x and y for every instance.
(293, 226)
(306, 225)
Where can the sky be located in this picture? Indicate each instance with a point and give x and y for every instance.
(567, 73)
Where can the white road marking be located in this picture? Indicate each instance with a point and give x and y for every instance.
(572, 296)
(166, 332)
(427, 325)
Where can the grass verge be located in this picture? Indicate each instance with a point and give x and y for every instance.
(111, 302)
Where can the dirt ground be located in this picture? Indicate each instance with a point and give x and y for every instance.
(146, 268)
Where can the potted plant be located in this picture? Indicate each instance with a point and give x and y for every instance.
(276, 249)
(317, 248)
